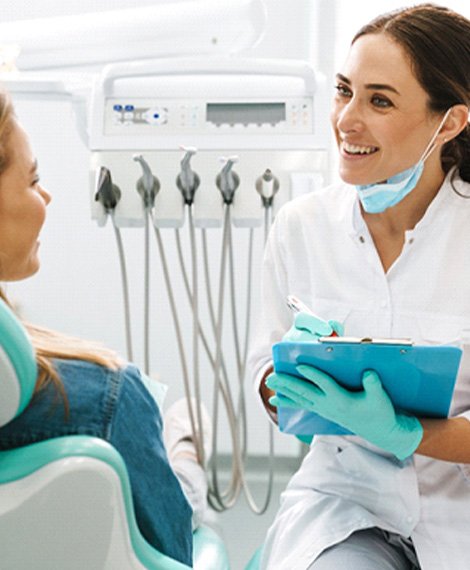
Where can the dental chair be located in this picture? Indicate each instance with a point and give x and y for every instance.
(66, 503)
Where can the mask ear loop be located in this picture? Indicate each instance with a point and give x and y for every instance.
(431, 146)
(464, 196)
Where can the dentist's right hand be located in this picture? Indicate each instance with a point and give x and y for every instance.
(305, 328)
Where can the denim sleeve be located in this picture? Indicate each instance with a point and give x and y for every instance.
(135, 430)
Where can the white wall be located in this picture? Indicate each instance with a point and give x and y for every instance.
(352, 15)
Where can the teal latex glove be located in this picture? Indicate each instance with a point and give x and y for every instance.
(368, 413)
(307, 328)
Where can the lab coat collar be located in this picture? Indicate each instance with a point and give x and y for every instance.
(356, 225)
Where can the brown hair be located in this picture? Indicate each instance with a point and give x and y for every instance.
(49, 344)
(437, 41)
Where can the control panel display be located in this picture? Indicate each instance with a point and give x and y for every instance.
(245, 113)
(195, 116)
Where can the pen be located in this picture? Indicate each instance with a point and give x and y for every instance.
(297, 306)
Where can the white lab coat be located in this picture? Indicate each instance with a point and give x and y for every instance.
(320, 250)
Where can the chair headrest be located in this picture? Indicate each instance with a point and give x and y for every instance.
(18, 369)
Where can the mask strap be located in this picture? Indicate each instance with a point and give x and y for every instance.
(431, 146)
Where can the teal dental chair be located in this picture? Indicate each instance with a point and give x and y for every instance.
(66, 503)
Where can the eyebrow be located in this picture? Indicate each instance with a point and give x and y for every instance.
(374, 86)
(34, 166)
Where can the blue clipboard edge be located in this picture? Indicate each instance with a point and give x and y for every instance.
(421, 366)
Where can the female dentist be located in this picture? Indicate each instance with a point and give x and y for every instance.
(387, 252)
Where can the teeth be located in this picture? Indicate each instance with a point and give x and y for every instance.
(357, 149)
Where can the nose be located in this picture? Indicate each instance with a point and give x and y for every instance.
(348, 118)
(45, 195)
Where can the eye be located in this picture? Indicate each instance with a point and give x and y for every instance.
(35, 181)
(343, 90)
(381, 101)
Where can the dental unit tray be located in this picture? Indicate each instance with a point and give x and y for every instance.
(419, 379)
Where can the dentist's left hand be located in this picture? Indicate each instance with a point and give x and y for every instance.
(368, 413)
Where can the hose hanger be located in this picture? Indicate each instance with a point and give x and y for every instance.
(148, 185)
(267, 185)
(227, 181)
(187, 180)
(107, 193)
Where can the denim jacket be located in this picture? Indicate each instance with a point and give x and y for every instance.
(117, 407)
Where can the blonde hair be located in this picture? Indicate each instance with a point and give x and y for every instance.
(48, 344)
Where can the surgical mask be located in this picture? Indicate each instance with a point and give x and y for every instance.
(376, 198)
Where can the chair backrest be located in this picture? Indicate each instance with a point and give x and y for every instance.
(17, 366)
(67, 502)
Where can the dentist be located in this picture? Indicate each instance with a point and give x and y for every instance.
(387, 253)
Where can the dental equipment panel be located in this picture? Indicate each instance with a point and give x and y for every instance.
(249, 136)
(269, 114)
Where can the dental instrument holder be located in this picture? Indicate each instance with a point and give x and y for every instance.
(107, 193)
(227, 181)
(147, 185)
(267, 185)
(187, 180)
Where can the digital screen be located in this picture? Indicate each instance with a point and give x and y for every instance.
(246, 113)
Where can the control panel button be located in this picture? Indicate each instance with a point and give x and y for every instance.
(156, 115)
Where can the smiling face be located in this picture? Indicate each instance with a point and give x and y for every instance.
(22, 209)
(380, 113)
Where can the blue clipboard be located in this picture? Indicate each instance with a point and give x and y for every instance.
(418, 379)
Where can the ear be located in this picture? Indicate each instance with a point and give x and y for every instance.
(455, 123)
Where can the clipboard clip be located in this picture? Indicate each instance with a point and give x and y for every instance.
(365, 340)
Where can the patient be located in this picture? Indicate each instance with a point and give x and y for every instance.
(83, 388)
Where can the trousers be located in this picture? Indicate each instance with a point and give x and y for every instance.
(369, 549)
